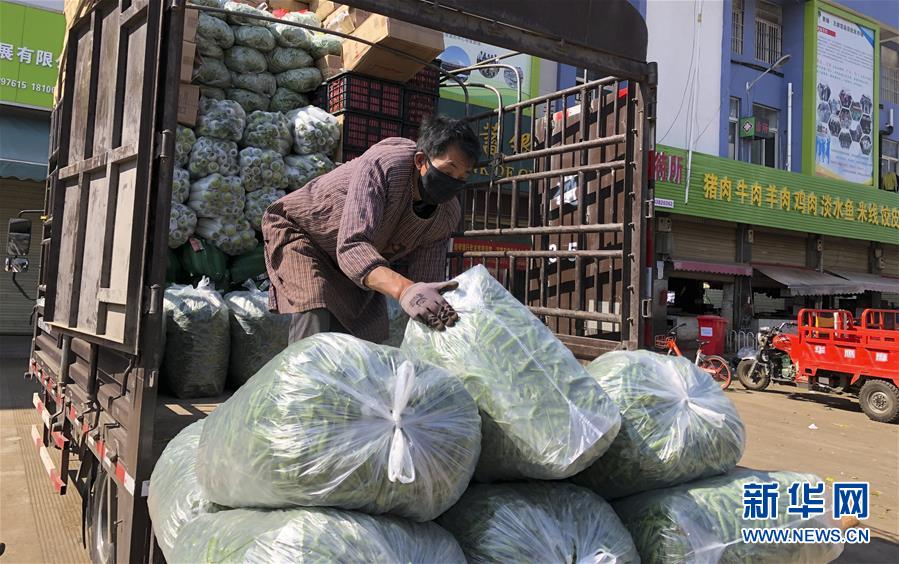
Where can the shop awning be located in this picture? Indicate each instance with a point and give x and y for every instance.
(24, 143)
(808, 282)
(870, 282)
(712, 267)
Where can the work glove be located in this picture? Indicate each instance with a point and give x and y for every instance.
(424, 302)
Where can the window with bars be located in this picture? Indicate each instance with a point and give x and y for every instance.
(736, 42)
(765, 150)
(889, 156)
(889, 75)
(733, 130)
(768, 32)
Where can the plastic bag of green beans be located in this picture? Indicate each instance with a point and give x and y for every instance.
(702, 522)
(300, 80)
(261, 168)
(245, 59)
(197, 341)
(676, 425)
(256, 36)
(212, 72)
(222, 119)
(303, 168)
(233, 235)
(291, 36)
(538, 522)
(211, 4)
(209, 49)
(214, 31)
(287, 58)
(260, 82)
(285, 100)
(313, 535)
(217, 196)
(212, 93)
(341, 422)
(258, 202)
(326, 44)
(257, 334)
(175, 497)
(184, 143)
(314, 130)
(241, 14)
(182, 222)
(268, 130)
(211, 155)
(250, 101)
(544, 416)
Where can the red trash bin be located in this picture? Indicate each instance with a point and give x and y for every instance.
(712, 328)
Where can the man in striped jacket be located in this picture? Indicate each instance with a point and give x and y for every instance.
(376, 226)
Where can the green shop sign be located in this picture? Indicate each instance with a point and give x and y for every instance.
(30, 46)
(746, 193)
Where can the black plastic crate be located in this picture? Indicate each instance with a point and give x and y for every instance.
(410, 131)
(361, 131)
(349, 154)
(418, 105)
(425, 80)
(358, 93)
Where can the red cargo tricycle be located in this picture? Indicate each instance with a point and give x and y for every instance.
(832, 352)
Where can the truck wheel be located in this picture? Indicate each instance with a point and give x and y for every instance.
(102, 523)
(879, 400)
(758, 381)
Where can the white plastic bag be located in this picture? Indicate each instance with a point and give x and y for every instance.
(197, 341)
(314, 129)
(268, 130)
(245, 59)
(222, 119)
(544, 416)
(287, 58)
(184, 143)
(303, 168)
(180, 185)
(182, 223)
(291, 36)
(210, 156)
(257, 334)
(285, 100)
(300, 80)
(337, 421)
(250, 101)
(256, 36)
(676, 425)
(217, 196)
(212, 72)
(261, 168)
(233, 235)
(259, 82)
(259, 201)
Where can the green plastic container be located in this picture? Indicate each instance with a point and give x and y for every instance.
(248, 266)
(200, 258)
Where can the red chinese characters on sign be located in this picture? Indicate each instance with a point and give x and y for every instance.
(666, 168)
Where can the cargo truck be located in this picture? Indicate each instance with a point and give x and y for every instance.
(586, 211)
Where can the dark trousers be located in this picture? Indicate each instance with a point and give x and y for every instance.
(309, 323)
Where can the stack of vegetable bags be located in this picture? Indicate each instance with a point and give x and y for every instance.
(182, 220)
(676, 425)
(701, 521)
(195, 363)
(337, 421)
(544, 416)
(257, 334)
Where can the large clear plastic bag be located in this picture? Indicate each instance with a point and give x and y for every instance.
(676, 425)
(211, 4)
(314, 129)
(257, 334)
(326, 44)
(305, 17)
(303, 168)
(268, 130)
(287, 58)
(538, 522)
(217, 196)
(290, 36)
(245, 59)
(286, 99)
(258, 202)
(256, 36)
(700, 523)
(197, 340)
(209, 49)
(184, 143)
(180, 185)
(250, 101)
(261, 168)
(215, 31)
(544, 416)
(241, 14)
(300, 80)
(338, 421)
(233, 235)
(397, 319)
(211, 155)
(260, 82)
(222, 119)
(182, 223)
(175, 497)
(212, 72)
(313, 536)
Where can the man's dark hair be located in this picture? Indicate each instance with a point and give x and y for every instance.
(438, 132)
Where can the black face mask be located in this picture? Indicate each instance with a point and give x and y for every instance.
(437, 187)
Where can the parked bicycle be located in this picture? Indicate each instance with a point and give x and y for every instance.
(716, 366)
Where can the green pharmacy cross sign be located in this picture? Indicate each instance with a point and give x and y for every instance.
(30, 46)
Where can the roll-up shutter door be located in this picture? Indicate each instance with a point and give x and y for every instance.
(705, 241)
(891, 260)
(778, 248)
(846, 254)
(15, 311)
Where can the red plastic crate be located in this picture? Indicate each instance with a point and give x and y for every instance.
(349, 154)
(410, 131)
(418, 105)
(426, 80)
(354, 92)
(362, 131)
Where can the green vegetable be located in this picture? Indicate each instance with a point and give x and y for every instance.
(288, 58)
(195, 363)
(213, 30)
(326, 44)
(245, 59)
(303, 168)
(237, 9)
(209, 49)
(222, 119)
(314, 129)
(256, 36)
(257, 334)
(313, 536)
(268, 130)
(543, 416)
(175, 496)
(337, 421)
(261, 168)
(538, 522)
(217, 196)
(260, 82)
(303, 17)
(211, 92)
(182, 223)
(184, 143)
(210, 156)
(300, 80)
(676, 425)
(180, 185)
(701, 522)
(285, 100)
(233, 235)
(250, 101)
(290, 36)
(258, 202)
(212, 72)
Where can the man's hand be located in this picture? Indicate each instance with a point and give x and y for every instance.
(424, 302)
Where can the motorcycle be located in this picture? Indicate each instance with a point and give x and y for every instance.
(771, 362)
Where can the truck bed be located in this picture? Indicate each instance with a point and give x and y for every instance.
(174, 414)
